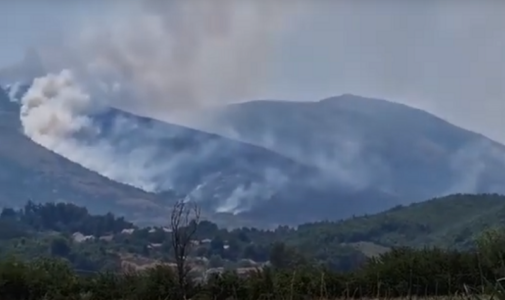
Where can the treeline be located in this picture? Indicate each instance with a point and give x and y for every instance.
(400, 272)
(47, 230)
(58, 217)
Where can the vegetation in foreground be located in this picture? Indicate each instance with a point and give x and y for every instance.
(288, 273)
(399, 273)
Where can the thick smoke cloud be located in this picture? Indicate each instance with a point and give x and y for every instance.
(171, 55)
(54, 109)
(55, 112)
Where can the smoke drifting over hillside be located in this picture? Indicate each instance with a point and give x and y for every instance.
(148, 57)
(228, 176)
(55, 112)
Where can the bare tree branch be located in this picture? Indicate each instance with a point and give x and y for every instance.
(184, 222)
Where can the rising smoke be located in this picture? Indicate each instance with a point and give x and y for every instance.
(148, 57)
(58, 114)
(55, 111)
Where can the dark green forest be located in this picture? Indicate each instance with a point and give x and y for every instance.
(437, 247)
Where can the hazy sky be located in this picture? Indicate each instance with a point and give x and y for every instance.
(443, 56)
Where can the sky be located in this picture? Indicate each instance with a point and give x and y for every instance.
(446, 57)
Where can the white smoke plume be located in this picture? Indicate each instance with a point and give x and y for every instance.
(56, 109)
(55, 113)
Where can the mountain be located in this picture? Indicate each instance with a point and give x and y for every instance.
(224, 176)
(228, 176)
(368, 143)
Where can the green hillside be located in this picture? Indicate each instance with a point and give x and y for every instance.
(451, 221)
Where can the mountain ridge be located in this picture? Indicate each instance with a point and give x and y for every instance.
(359, 154)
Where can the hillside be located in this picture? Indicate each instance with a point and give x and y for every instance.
(224, 176)
(368, 143)
(29, 171)
(452, 221)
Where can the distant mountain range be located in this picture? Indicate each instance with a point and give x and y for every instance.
(259, 163)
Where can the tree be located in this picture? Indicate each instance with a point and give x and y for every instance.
(8, 213)
(184, 222)
(490, 245)
(279, 255)
(283, 257)
(217, 245)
